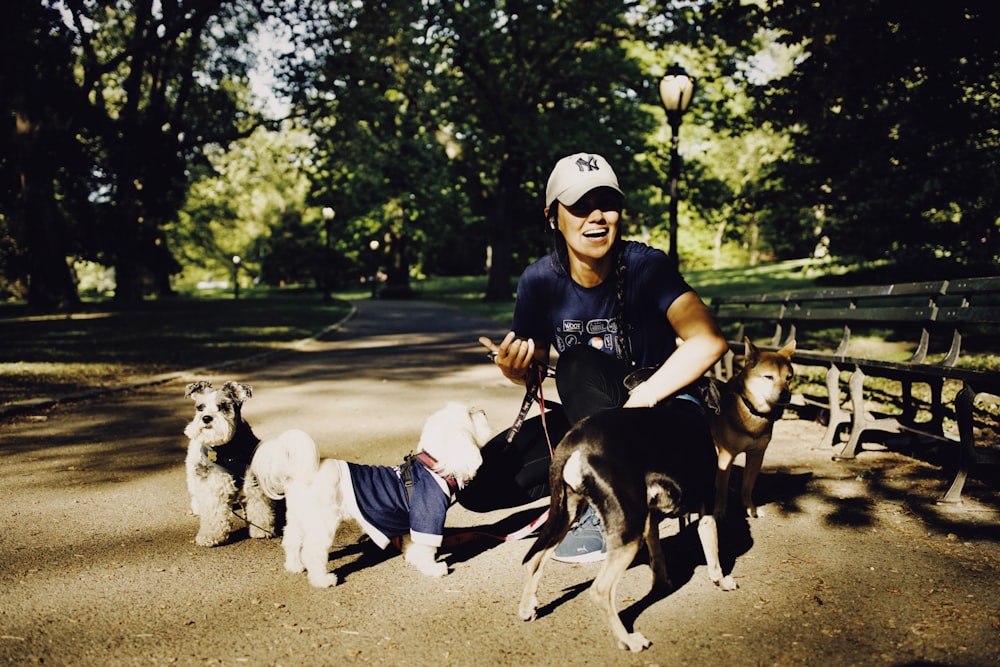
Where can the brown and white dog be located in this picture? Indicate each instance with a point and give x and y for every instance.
(750, 402)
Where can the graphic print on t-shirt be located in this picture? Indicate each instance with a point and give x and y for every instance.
(597, 333)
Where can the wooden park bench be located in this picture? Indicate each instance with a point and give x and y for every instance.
(936, 315)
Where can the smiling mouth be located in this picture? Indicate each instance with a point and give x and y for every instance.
(596, 234)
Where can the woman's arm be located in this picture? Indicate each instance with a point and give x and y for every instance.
(702, 345)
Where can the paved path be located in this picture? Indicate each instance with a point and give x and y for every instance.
(852, 564)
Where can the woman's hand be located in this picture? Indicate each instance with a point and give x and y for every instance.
(513, 355)
(642, 396)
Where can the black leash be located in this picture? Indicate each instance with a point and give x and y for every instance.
(529, 398)
(248, 522)
(532, 393)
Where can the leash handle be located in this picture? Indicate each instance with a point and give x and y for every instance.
(530, 393)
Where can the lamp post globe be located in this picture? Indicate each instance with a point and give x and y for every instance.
(676, 91)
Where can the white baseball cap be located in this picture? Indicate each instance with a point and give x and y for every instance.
(576, 175)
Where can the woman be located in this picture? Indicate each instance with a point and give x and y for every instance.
(607, 307)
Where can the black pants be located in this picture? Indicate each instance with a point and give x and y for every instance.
(517, 473)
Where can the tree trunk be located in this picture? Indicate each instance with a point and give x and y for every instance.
(498, 225)
(50, 284)
(397, 270)
(498, 281)
(127, 255)
(754, 242)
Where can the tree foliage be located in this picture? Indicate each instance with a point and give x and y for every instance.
(143, 86)
(454, 112)
(892, 111)
(44, 168)
(430, 127)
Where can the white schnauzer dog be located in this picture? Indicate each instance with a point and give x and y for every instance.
(407, 501)
(218, 462)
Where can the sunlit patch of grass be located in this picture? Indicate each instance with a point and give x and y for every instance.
(98, 348)
(467, 293)
(764, 278)
(26, 381)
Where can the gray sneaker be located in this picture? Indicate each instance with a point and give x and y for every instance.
(584, 543)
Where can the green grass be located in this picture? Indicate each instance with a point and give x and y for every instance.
(100, 346)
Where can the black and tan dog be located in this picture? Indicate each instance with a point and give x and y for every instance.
(635, 466)
(750, 402)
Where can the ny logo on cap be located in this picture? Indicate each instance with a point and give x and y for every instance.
(588, 163)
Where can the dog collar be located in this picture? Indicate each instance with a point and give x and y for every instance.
(754, 411)
(431, 464)
(235, 464)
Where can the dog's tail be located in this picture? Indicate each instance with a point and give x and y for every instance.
(291, 457)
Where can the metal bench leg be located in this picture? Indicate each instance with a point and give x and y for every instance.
(937, 406)
(860, 423)
(966, 452)
(909, 403)
(838, 415)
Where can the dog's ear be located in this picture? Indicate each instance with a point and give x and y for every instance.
(197, 388)
(788, 350)
(238, 392)
(750, 351)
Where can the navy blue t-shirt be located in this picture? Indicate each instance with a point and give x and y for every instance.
(552, 308)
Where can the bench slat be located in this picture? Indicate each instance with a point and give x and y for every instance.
(970, 314)
(885, 313)
(974, 285)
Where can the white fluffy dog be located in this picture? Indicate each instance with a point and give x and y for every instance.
(218, 461)
(407, 501)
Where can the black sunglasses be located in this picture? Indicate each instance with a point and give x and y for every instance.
(602, 199)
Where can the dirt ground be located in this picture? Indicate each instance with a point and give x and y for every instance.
(852, 563)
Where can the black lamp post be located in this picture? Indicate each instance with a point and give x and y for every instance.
(374, 245)
(676, 90)
(236, 276)
(328, 216)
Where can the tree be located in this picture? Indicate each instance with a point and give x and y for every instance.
(421, 106)
(893, 114)
(114, 103)
(529, 83)
(161, 76)
(41, 160)
(361, 75)
(249, 200)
